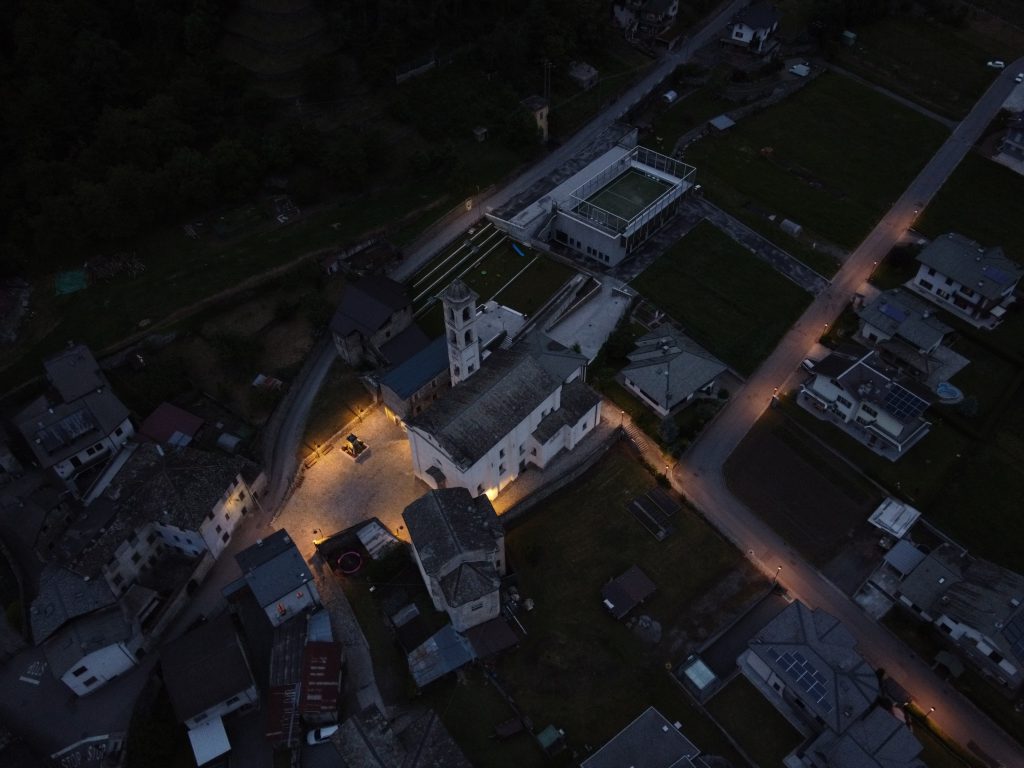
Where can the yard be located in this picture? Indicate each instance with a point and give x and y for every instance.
(786, 477)
(757, 726)
(729, 301)
(982, 201)
(819, 157)
(691, 111)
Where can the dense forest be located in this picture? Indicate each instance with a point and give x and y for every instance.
(121, 116)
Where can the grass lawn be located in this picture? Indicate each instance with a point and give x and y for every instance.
(732, 303)
(936, 65)
(689, 112)
(982, 201)
(785, 476)
(574, 645)
(756, 725)
(987, 377)
(832, 157)
(341, 399)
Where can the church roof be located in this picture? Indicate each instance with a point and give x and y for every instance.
(469, 582)
(450, 522)
(483, 409)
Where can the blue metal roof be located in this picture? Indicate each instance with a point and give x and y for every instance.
(406, 379)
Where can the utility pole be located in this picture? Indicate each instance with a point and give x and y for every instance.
(547, 79)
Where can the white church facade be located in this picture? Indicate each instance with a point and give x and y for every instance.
(516, 407)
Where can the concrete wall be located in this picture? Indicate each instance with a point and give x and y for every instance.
(248, 697)
(104, 665)
(108, 445)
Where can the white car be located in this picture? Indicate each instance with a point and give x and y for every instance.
(320, 735)
(1019, 78)
(996, 64)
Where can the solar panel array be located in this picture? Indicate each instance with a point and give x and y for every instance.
(904, 404)
(893, 312)
(1014, 632)
(803, 674)
(994, 273)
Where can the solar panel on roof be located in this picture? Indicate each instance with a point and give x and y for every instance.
(894, 312)
(904, 404)
(994, 273)
(1014, 633)
(800, 657)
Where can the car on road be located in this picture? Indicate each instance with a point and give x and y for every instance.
(996, 64)
(322, 734)
(1019, 78)
(808, 365)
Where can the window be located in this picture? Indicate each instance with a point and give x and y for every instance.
(926, 285)
(456, 368)
(232, 700)
(387, 334)
(479, 490)
(219, 529)
(949, 281)
(501, 469)
(117, 580)
(225, 537)
(136, 557)
(869, 410)
(227, 516)
(465, 313)
(522, 449)
(469, 337)
(996, 656)
(91, 681)
(79, 672)
(118, 431)
(533, 451)
(245, 511)
(451, 314)
(843, 401)
(931, 272)
(501, 453)
(151, 538)
(470, 368)
(452, 338)
(241, 495)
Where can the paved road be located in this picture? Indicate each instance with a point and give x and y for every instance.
(699, 474)
(452, 229)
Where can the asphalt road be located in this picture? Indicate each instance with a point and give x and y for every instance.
(699, 474)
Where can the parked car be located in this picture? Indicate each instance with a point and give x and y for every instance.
(996, 64)
(322, 734)
(1019, 78)
(807, 365)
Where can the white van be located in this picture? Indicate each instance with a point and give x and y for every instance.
(669, 97)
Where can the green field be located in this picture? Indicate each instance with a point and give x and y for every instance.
(729, 301)
(691, 111)
(628, 194)
(833, 157)
(981, 200)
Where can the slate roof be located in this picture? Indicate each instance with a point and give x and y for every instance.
(985, 270)
(406, 344)
(478, 412)
(900, 313)
(64, 595)
(816, 657)
(650, 741)
(177, 487)
(670, 367)
(78, 638)
(205, 667)
(368, 304)
(74, 372)
(273, 567)
(168, 420)
(759, 15)
(469, 582)
(989, 598)
(366, 740)
(429, 745)
(627, 591)
(407, 378)
(879, 740)
(449, 522)
(575, 401)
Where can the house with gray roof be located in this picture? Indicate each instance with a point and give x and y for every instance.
(977, 605)
(65, 595)
(806, 661)
(870, 400)
(668, 370)
(752, 28)
(459, 546)
(410, 387)
(878, 740)
(186, 501)
(975, 283)
(78, 422)
(650, 741)
(207, 674)
(278, 576)
(90, 651)
(370, 313)
(505, 410)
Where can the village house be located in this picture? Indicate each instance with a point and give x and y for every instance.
(873, 403)
(459, 546)
(806, 664)
(208, 676)
(645, 18)
(276, 573)
(973, 282)
(519, 406)
(78, 422)
(753, 27)
(668, 370)
(410, 387)
(650, 740)
(976, 605)
(371, 312)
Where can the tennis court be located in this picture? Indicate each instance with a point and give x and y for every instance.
(629, 194)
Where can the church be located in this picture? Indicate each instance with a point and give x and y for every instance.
(506, 409)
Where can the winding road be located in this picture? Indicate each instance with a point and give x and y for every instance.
(699, 473)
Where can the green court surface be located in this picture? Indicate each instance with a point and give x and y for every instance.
(628, 194)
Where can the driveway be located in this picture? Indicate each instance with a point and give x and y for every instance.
(699, 474)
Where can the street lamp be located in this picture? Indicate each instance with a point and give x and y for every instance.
(930, 710)
(777, 572)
